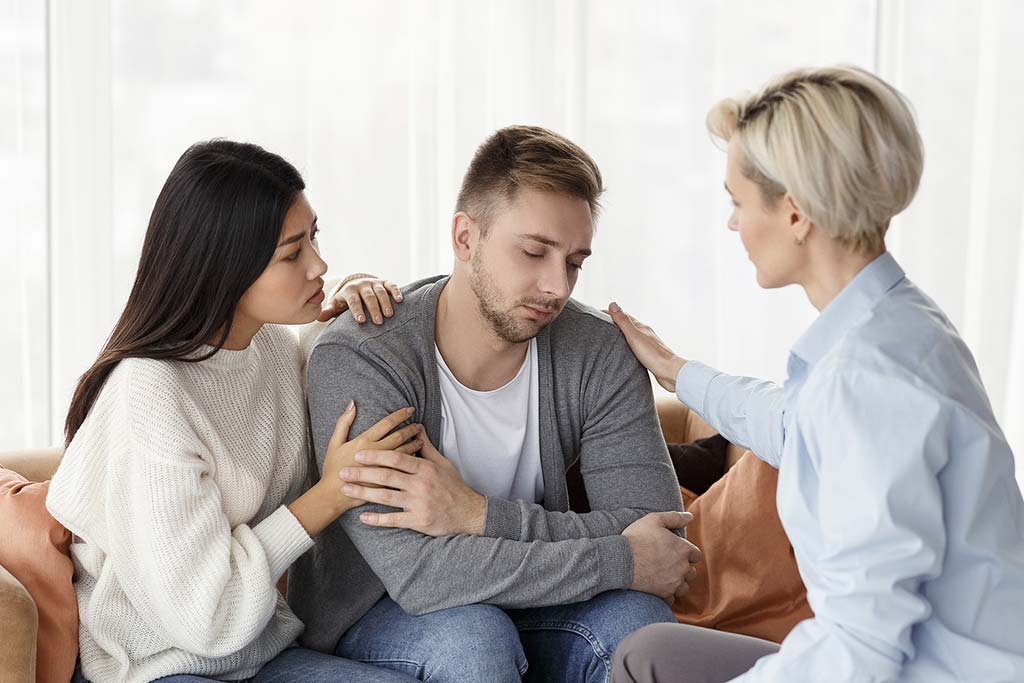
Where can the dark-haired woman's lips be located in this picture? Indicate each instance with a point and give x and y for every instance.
(317, 298)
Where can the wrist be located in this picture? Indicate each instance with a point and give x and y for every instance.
(354, 276)
(330, 498)
(676, 366)
(671, 370)
(476, 519)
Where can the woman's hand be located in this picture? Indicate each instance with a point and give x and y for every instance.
(648, 348)
(326, 500)
(358, 290)
(434, 498)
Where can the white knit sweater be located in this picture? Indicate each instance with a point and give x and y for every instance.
(174, 488)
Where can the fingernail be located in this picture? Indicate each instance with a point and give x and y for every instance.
(351, 405)
(361, 318)
(613, 307)
(347, 489)
(410, 410)
(388, 311)
(345, 473)
(365, 518)
(400, 297)
(360, 457)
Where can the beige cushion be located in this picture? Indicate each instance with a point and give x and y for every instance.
(36, 464)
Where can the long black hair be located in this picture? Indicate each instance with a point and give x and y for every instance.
(213, 231)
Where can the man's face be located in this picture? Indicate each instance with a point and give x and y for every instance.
(525, 269)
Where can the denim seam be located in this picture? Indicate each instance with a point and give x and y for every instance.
(521, 668)
(382, 660)
(573, 627)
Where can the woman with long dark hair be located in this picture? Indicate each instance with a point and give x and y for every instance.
(184, 475)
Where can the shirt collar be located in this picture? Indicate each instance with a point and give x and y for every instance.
(857, 298)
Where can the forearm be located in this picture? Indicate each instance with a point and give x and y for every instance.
(424, 574)
(521, 521)
(746, 411)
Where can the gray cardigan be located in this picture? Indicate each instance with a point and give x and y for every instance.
(595, 405)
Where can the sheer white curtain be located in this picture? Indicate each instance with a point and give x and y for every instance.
(962, 239)
(24, 275)
(381, 106)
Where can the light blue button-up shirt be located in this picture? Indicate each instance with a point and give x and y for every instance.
(896, 488)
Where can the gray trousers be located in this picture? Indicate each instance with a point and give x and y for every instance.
(679, 653)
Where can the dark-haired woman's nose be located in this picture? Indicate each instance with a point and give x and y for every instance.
(317, 266)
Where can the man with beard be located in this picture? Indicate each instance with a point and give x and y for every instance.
(515, 382)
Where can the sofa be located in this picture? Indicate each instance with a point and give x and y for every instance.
(18, 614)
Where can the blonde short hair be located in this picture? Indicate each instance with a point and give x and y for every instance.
(840, 140)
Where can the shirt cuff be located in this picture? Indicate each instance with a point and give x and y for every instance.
(283, 540)
(692, 384)
(614, 563)
(504, 519)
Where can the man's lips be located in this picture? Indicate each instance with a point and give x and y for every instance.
(538, 313)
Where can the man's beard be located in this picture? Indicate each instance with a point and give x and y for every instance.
(505, 326)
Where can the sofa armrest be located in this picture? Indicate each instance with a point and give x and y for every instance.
(679, 424)
(37, 464)
(20, 623)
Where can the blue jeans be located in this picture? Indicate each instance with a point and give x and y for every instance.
(300, 664)
(485, 643)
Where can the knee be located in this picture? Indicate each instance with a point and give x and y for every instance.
(609, 618)
(623, 612)
(477, 643)
(641, 654)
(641, 609)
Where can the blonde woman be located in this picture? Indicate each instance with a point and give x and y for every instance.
(896, 484)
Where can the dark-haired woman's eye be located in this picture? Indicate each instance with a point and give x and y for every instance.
(313, 235)
(293, 256)
(532, 255)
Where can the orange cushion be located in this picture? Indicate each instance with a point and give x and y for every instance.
(34, 548)
(748, 582)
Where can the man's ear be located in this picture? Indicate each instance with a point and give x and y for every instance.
(798, 221)
(464, 231)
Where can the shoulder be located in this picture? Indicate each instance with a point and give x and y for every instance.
(585, 339)
(146, 378)
(578, 318)
(588, 333)
(140, 395)
(397, 332)
(905, 341)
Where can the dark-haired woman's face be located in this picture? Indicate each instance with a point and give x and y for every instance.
(290, 289)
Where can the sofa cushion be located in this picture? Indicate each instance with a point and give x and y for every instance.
(748, 582)
(34, 549)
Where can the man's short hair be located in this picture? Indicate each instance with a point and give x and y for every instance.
(526, 157)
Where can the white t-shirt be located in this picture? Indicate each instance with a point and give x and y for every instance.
(493, 437)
